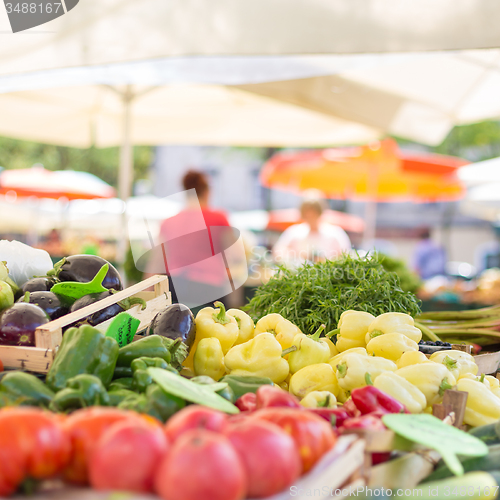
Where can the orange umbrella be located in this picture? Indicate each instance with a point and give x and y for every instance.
(378, 172)
(42, 183)
(279, 220)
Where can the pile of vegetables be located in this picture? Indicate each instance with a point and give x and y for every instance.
(476, 326)
(316, 294)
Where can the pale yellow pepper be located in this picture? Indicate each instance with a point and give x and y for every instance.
(209, 359)
(458, 362)
(391, 346)
(246, 327)
(281, 328)
(260, 357)
(319, 399)
(394, 323)
(320, 377)
(402, 390)
(352, 329)
(412, 358)
(357, 370)
(340, 357)
(343, 395)
(431, 378)
(494, 384)
(482, 406)
(476, 378)
(216, 323)
(333, 348)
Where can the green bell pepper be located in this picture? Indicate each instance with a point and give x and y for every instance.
(116, 396)
(141, 378)
(221, 388)
(241, 384)
(121, 383)
(154, 402)
(154, 346)
(81, 391)
(24, 389)
(83, 350)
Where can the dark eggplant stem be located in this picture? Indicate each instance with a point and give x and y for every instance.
(57, 267)
(127, 303)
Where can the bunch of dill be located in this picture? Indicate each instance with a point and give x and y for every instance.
(316, 294)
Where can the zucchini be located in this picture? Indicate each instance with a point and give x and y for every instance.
(490, 462)
(490, 433)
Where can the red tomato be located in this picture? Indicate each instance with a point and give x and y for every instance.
(84, 428)
(194, 417)
(201, 465)
(40, 436)
(313, 435)
(269, 456)
(13, 462)
(127, 456)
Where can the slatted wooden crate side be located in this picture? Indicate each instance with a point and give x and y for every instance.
(49, 336)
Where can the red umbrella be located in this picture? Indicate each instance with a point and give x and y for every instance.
(42, 183)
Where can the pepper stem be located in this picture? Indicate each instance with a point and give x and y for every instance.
(445, 385)
(450, 363)
(288, 351)
(317, 333)
(221, 317)
(342, 369)
(482, 378)
(333, 332)
(368, 379)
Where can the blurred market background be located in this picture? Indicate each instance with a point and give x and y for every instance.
(422, 128)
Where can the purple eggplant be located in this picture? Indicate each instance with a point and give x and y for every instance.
(19, 322)
(37, 285)
(83, 268)
(174, 322)
(108, 312)
(48, 301)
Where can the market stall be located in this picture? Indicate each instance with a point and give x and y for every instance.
(309, 388)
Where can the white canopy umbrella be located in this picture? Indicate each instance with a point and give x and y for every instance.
(415, 96)
(108, 31)
(481, 173)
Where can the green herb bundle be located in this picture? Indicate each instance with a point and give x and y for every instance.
(316, 294)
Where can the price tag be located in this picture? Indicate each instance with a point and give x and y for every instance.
(431, 432)
(73, 290)
(123, 328)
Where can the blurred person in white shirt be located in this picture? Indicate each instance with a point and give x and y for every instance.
(313, 240)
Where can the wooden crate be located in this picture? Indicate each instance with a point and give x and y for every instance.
(49, 336)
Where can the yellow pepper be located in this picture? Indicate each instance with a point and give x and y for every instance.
(493, 383)
(333, 348)
(209, 359)
(412, 358)
(343, 395)
(352, 329)
(276, 324)
(394, 323)
(216, 323)
(357, 370)
(260, 357)
(482, 407)
(391, 346)
(245, 325)
(458, 362)
(477, 378)
(320, 377)
(431, 378)
(311, 350)
(402, 390)
(340, 357)
(319, 399)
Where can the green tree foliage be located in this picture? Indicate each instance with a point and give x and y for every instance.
(15, 153)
